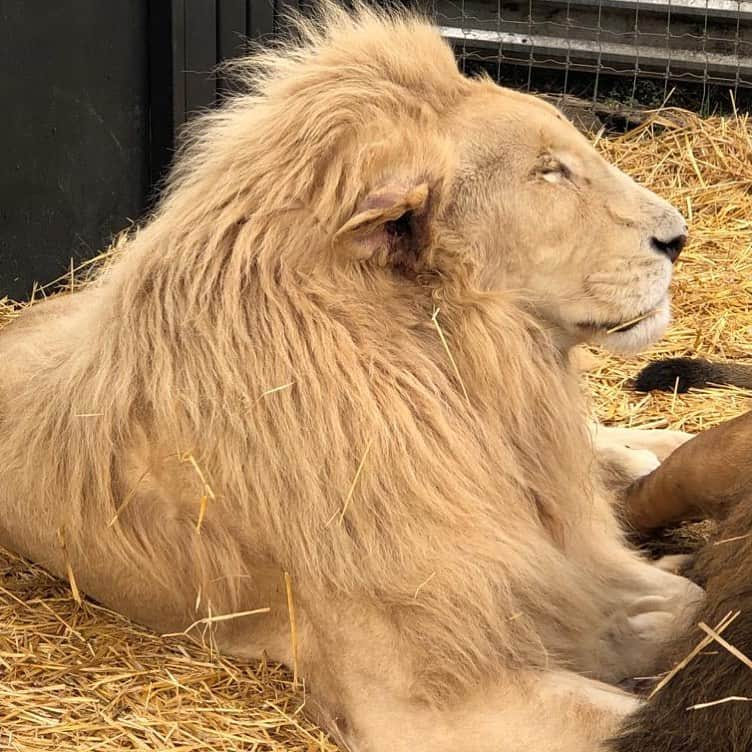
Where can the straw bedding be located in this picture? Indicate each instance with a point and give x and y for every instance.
(704, 167)
(78, 677)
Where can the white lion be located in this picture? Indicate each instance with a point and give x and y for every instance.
(337, 350)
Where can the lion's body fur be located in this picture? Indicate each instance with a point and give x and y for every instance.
(226, 354)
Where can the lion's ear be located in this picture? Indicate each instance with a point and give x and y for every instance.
(390, 225)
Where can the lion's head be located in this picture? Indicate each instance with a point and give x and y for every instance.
(405, 165)
(503, 180)
(548, 214)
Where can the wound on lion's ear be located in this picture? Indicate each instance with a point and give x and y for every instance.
(390, 225)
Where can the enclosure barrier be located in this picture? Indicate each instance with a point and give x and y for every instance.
(701, 41)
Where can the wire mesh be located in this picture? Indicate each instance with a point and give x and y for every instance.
(690, 53)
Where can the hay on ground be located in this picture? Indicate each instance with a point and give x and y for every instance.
(77, 677)
(704, 167)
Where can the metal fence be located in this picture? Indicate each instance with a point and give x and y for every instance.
(632, 51)
(143, 67)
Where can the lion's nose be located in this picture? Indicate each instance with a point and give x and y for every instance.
(671, 248)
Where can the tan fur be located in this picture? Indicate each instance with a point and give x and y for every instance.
(704, 478)
(277, 325)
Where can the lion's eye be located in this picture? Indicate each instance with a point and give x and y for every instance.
(554, 172)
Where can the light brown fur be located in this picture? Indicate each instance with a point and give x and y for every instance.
(704, 478)
(276, 325)
(710, 476)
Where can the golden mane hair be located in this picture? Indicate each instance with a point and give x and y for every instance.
(232, 290)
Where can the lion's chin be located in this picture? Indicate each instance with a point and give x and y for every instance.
(634, 336)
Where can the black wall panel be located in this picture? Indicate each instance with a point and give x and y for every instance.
(93, 93)
(74, 131)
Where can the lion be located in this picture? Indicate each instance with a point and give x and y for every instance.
(704, 478)
(331, 371)
(705, 705)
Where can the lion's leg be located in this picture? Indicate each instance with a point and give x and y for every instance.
(626, 455)
(641, 605)
(649, 607)
(367, 684)
(553, 711)
(704, 478)
(661, 442)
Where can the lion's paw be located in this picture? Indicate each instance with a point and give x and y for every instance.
(636, 463)
(650, 620)
(674, 563)
(658, 618)
(662, 442)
